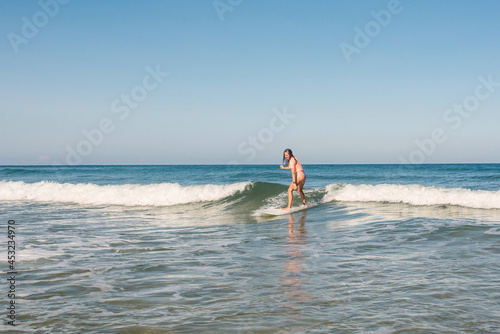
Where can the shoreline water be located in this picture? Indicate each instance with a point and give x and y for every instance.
(208, 265)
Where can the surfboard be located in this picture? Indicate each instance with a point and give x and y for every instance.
(279, 211)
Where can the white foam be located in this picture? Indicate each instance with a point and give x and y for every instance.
(413, 194)
(493, 231)
(162, 194)
(34, 254)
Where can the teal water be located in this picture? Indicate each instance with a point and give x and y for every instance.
(183, 249)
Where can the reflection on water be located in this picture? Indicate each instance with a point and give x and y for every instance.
(295, 260)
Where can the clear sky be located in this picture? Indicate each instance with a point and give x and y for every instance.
(238, 81)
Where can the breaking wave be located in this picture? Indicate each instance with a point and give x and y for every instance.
(413, 195)
(246, 194)
(162, 194)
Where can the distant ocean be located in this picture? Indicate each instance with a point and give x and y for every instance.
(183, 249)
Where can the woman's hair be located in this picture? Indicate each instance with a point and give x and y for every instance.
(285, 161)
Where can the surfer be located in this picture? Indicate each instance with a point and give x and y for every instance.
(298, 177)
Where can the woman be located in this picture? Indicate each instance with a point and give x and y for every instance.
(298, 177)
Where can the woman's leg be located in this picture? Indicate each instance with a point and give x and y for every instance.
(290, 196)
(301, 180)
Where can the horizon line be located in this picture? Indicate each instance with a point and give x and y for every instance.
(261, 164)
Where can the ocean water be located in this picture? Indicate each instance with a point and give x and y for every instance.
(184, 249)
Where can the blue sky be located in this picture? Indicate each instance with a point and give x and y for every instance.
(238, 81)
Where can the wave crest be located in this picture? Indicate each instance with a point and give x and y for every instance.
(162, 194)
(413, 195)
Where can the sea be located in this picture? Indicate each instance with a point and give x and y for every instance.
(186, 249)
